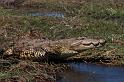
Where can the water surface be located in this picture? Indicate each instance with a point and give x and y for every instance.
(83, 72)
(49, 14)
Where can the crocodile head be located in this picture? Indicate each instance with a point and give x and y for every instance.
(78, 46)
(84, 44)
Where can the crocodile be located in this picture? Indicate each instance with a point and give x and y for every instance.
(35, 49)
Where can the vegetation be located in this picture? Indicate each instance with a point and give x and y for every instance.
(94, 19)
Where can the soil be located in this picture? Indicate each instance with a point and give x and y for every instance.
(27, 71)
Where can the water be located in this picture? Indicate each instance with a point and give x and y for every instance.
(49, 14)
(83, 72)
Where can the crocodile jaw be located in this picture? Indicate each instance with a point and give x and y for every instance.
(87, 44)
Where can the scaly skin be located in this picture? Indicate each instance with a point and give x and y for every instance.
(38, 49)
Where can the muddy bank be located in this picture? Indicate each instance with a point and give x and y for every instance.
(104, 57)
(27, 71)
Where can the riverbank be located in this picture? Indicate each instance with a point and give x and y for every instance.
(27, 71)
(92, 19)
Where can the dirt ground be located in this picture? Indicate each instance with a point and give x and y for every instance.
(27, 71)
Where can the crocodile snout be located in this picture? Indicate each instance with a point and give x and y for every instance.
(87, 44)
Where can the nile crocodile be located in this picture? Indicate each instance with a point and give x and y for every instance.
(34, 49)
